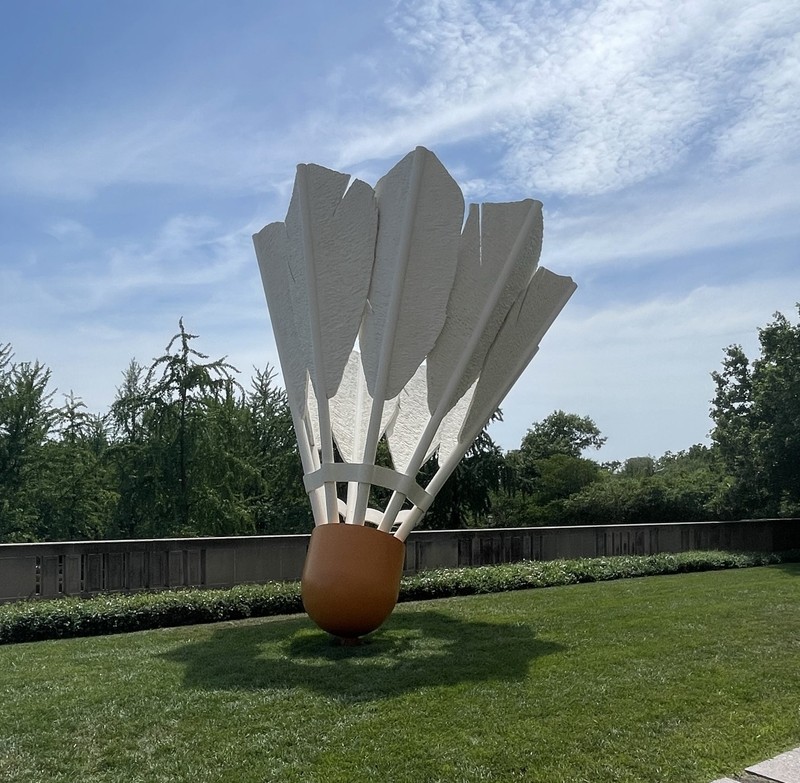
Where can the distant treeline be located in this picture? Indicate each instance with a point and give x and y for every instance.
(185, 450)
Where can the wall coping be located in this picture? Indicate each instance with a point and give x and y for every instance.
(206, 540)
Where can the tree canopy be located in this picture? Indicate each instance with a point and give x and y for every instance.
(561, 433)
(756, 414)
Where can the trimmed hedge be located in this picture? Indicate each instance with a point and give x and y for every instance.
(552, 573)
(27, 621)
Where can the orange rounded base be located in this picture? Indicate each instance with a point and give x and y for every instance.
(351, 578)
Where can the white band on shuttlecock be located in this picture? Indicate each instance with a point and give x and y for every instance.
(364, 473)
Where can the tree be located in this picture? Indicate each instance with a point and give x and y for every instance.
(179, 398)
(620, 499)
(546, 470)
(732, 433)
(132, 458)
(73, 492)
(756, 414)
(280, 504)
(195, 454)
(465, 499)
(561, 433)
(638, 467)
(26, 419)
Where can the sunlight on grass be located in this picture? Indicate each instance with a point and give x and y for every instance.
(680, 678)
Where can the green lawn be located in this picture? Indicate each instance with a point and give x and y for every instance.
(672, 678)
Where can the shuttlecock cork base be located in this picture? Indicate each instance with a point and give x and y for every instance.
(351, 578)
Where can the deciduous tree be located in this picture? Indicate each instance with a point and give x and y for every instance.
(756, 414)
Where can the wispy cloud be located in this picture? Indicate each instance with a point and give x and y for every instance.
(206, 146)
(106, 303)
(93, 276)
(643, 369)
(590, 100)
(767, 127)
(665, 220)
(571, 100)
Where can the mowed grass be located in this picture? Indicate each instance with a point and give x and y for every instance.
(671, 678)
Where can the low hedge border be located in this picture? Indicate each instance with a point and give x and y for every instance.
(27, 621)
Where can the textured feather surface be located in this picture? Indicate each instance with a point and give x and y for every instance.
(272, 251)
(350, 410)
(411, 420)
(330, 263)
(450, 428)
(499, 247)
(516, 344)
(421, 209)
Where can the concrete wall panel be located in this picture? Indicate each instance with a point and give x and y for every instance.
(74, 568)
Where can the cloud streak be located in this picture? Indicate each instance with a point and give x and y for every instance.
(591, 101)
(576, 100)
(643, 368)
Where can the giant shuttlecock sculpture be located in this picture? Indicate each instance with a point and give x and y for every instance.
(445, 314)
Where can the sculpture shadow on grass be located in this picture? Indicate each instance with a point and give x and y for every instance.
(412, 651)
(790, 567)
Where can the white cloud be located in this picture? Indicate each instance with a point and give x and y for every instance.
(586, 100)
(660, 130)
(206, 146)
(88, 321)
(69, 230)
(700, 214)
(642, 371)
(578, 100)
(768, 127)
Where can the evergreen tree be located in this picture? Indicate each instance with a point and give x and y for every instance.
(26, 419)
(73, 491)
(278, 497)
(179, 399)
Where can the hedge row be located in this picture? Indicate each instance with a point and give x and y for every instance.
(552, 573)
(65, 617)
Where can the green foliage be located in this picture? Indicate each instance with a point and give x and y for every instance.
(277, 497)
(66, 617)
(558, 478)
(756, 413)
(561, 433)
(184, 450)
(562, 489)
(74, 496)
(553, 573)
(546, 470)
(638, 467)
(180, 401)
(26, 420)
(465, 499)
(683, 487)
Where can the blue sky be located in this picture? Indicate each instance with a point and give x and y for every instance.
(143, 143)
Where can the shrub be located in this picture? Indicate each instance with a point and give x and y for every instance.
(37, 620)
